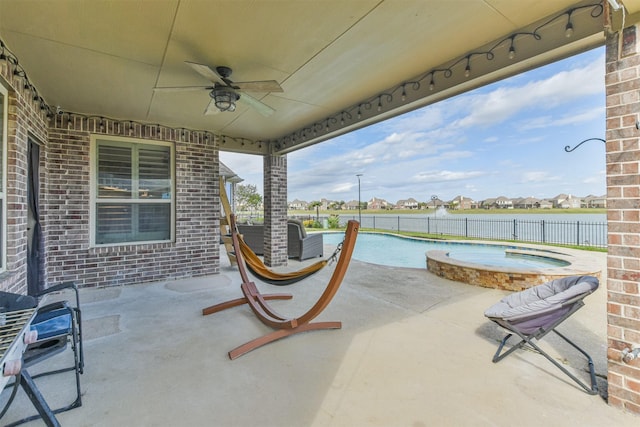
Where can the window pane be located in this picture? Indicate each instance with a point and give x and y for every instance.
(119, 223)
(154, 221)
(114, 223)
(114, 172)
(154, 173)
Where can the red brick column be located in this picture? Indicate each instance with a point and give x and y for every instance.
(275, 211)
(623, 203)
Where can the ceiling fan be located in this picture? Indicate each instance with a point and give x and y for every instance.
(224, 93)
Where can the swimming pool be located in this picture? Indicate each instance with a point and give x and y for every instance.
(395, 251)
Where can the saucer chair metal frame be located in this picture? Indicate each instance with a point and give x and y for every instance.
(533, 317)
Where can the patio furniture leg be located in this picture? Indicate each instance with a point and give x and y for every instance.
(498, 357)
(240, 301)
(279, 334)
(528, 340)
(37, 399)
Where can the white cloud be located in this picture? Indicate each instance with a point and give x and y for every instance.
(560, 89)
(440, 176)
(539, 176)
(570, 118)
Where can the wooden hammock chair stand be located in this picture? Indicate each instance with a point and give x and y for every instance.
(284, 326)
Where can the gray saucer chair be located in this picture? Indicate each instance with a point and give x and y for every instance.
(302, 245)
(533, 313)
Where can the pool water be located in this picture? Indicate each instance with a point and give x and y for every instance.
(394, 251)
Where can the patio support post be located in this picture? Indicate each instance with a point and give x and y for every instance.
(622, 80)
(275, 210)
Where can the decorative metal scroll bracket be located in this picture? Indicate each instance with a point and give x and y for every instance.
(568, 148)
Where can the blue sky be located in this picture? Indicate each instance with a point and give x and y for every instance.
(505, 139)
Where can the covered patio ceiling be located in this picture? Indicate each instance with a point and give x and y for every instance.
(341, 64)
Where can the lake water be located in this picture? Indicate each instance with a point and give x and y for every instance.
(506, 216)
(569, 229)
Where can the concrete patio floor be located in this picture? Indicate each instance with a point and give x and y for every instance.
(414, 350)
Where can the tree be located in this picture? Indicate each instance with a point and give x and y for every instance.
(316, 204)
(247, 197)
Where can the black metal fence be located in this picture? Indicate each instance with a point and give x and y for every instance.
(575, 233)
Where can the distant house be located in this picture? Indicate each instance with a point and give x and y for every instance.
(526, 203)
(351, 206)
(488, 203)
(594, 201)
(561, 201)
(566, 201)
(461, 202)
(410, 203)
(324, 204)
(499, 203)
(557, 201)
(434, 204)
(298, 205)
(376, 203)
(545, 204)
(336, 205)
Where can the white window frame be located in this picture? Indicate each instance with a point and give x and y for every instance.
(3, 187)
(95, 200)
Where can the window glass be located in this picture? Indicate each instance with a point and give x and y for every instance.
(154, 174)
(114, 172)
(134, 191)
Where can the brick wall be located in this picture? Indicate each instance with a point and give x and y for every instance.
(26, 120)
(195, 251)
(275, 216)
(65, 200)
(623, 202)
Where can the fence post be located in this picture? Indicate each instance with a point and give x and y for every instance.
(398, 222)
(544, 238)
(428, 226)
(374, 223)
(466, 227)
(515, 229)
(578, 233)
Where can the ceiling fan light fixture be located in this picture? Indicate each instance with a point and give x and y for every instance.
(224, 98)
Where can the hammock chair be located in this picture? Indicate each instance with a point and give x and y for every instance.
(254, 263)
(285, 326)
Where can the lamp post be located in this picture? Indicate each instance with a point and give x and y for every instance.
(359, 202)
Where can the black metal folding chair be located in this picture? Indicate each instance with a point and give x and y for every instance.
(533, 313)
(58, 325)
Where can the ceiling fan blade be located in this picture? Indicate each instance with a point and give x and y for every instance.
(262, 108)
(260, 86)
(181, 88)
(211, 109)
(205, 71)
